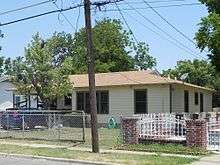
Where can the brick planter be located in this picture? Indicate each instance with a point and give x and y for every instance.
(196, 133)
(129, 130)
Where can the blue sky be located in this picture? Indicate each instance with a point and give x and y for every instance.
(185, 18)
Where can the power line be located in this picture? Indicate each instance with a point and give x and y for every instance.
(158, 1)
(164, 19)
(155, 32)
(67, 20)
(98, 4)
(160, 6)
(122, 15)
(39, 15)
(26, 7)
(126, 22)
(77, 19)
(170, 36)
(175, 28)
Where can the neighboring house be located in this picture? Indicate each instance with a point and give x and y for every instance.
(136, 92)
(9, 98)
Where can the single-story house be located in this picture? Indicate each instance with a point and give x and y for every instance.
(121, 93)
(136, 92)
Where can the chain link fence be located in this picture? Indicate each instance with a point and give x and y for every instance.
(43, 126)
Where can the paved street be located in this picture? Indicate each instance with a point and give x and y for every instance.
(9, 160)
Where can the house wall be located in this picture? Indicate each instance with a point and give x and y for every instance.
(178, 99)
(6, 97)
(121, 100)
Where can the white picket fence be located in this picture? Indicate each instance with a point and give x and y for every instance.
(162, 126)
(213, 135)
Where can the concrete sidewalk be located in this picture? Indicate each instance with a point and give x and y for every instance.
(101, 150)
(209, 160)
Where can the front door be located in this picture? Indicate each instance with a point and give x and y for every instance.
(201, 102)
(186, 101)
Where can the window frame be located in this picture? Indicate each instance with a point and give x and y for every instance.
(146, 101)
(99, 103)
(196, 98)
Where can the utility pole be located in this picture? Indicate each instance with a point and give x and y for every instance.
(91, 76)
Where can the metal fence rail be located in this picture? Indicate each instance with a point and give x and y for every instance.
(214, 135)
(50, 126)
(162, 126)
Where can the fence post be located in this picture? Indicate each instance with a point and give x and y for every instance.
(59, 126)
(196, 133)
(84, 125)
(23, 126)
(130, 131)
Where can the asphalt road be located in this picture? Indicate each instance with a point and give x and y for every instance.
(10, 160)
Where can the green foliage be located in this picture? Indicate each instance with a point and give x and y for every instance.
(199, 72)
(39, 73)
(208, 35)
(213, 5)
(1, 36)
(113, 48)
(143, 60)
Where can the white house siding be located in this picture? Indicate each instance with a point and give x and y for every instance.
(6, 97)
(208, 102)
(121, 100)
(178, 99)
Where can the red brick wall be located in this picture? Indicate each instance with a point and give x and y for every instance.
(129, 130)
(196, 133)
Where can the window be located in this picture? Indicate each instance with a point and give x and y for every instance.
(196, 98)
(102, 102)
(102, 98)
(140, 97)
(17, 101)
(68, 100)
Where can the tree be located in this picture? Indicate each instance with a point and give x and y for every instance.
(208, 35)
(39, 74)
(213, 5)
(142, 59)
(198, 72)
(113, 46)
(1, 36)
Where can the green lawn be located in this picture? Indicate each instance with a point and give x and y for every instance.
(108, 139)
(163, 148)
(113, 158)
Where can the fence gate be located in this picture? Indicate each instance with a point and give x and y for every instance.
(214, 135)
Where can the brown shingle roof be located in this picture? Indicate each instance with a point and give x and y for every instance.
(125, 78)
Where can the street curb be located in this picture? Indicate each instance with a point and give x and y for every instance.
(56, 159)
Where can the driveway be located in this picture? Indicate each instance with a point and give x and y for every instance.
(10, 160)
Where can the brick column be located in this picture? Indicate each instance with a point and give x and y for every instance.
(129, 130)
(196, 133)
